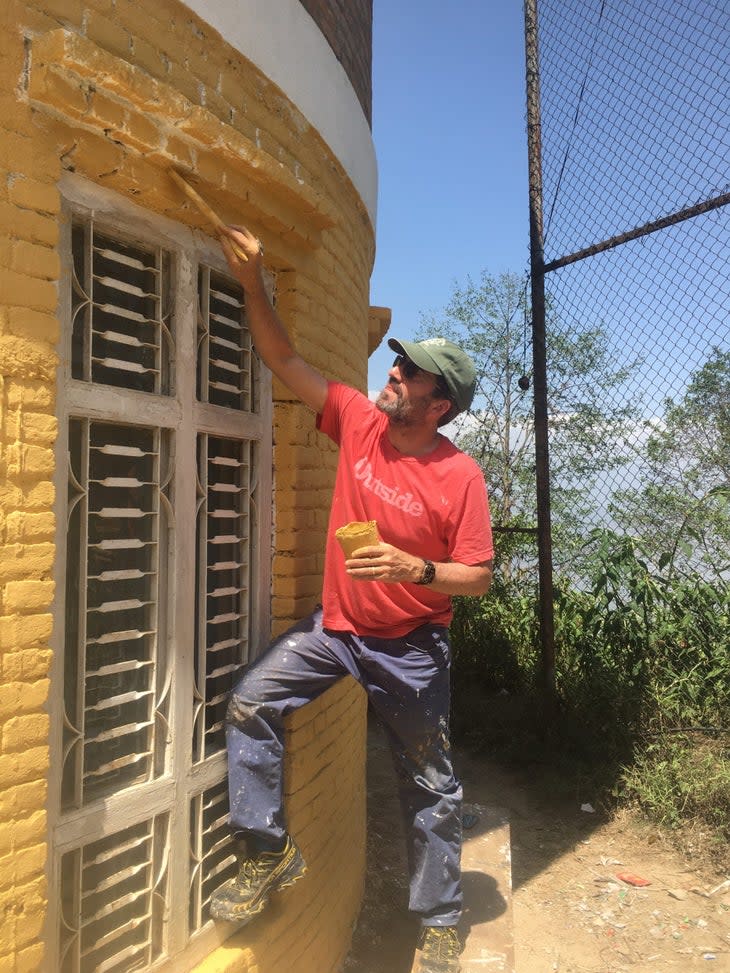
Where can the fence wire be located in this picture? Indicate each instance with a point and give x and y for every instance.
(635, 183)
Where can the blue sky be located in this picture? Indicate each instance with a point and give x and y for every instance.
(449, 130)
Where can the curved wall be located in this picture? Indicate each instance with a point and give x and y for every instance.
(348, 27)
(294, 51)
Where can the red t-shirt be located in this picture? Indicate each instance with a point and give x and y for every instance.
(434, 506)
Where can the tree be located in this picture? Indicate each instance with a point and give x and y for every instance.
(682, 507)
(489, 319)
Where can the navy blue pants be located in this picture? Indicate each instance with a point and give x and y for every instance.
(407, 682)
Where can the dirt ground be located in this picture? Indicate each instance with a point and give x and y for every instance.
(570, 911)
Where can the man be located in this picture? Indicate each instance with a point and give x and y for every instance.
(384, 616)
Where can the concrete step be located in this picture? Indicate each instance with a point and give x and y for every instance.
(486, 869)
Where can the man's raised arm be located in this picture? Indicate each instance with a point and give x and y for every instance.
(269, 335)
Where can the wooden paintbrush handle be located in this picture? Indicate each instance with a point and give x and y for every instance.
(210, 214)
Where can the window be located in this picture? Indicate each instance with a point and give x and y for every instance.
(164, 498)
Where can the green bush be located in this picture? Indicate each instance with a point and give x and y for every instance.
(641, 652)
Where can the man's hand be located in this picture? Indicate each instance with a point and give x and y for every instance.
(383, 562)
(249, 271)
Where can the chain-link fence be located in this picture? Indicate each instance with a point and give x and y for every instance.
(630, 178)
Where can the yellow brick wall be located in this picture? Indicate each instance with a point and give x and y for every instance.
(83, 89)
(325, 794)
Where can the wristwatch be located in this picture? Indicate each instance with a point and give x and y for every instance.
(429, 572)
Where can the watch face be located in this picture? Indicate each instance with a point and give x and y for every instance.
(429, 572)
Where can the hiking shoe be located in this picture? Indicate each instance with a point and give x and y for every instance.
(440, 947)
(246, 895)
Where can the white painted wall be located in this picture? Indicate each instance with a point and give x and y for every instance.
(283, 41)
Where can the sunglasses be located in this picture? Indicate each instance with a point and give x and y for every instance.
(409, 370)
(406, 367)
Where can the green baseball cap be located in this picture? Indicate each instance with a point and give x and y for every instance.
(442, 357)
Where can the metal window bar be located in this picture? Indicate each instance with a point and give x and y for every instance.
(212, 850)
(121, 312)
(226, 361)
(223, 583)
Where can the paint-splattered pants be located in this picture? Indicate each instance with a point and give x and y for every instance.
(407, 682)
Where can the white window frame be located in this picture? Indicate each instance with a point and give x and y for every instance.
(185, 418)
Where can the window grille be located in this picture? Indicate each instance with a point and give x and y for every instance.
(166, 453)
(113, 897)
(115, 687)
(223, 562)
(121, 312)
(213, 859)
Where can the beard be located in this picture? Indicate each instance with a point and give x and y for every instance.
(400, 411)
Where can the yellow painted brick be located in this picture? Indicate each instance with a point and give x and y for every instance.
(28, 831)
(184, 82)
(22, 866)
(97, 155)
(22, 800)
(26, 597)
(147, 56)
(29, 528)
(19, 561)
(22, 698)
(30, 960)
(29, 225)
(22, 768)
(202, 126)
(19, 632)
(29, 460)
(34, 395)
(38, 496)
(67, 11)
(106, 110)
(27, 359)
(179, 151)
(23, 290)
(27, 666)
(140, 131)
(295, 567)
(35, 261)
(65, 91)
(105, 32)
(38, 325)
(20, 732)
(39, 428)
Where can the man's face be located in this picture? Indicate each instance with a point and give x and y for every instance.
(408, 396)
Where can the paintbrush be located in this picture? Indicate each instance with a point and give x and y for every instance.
(210, 214)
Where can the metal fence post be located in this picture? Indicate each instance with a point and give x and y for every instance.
(539, 356)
